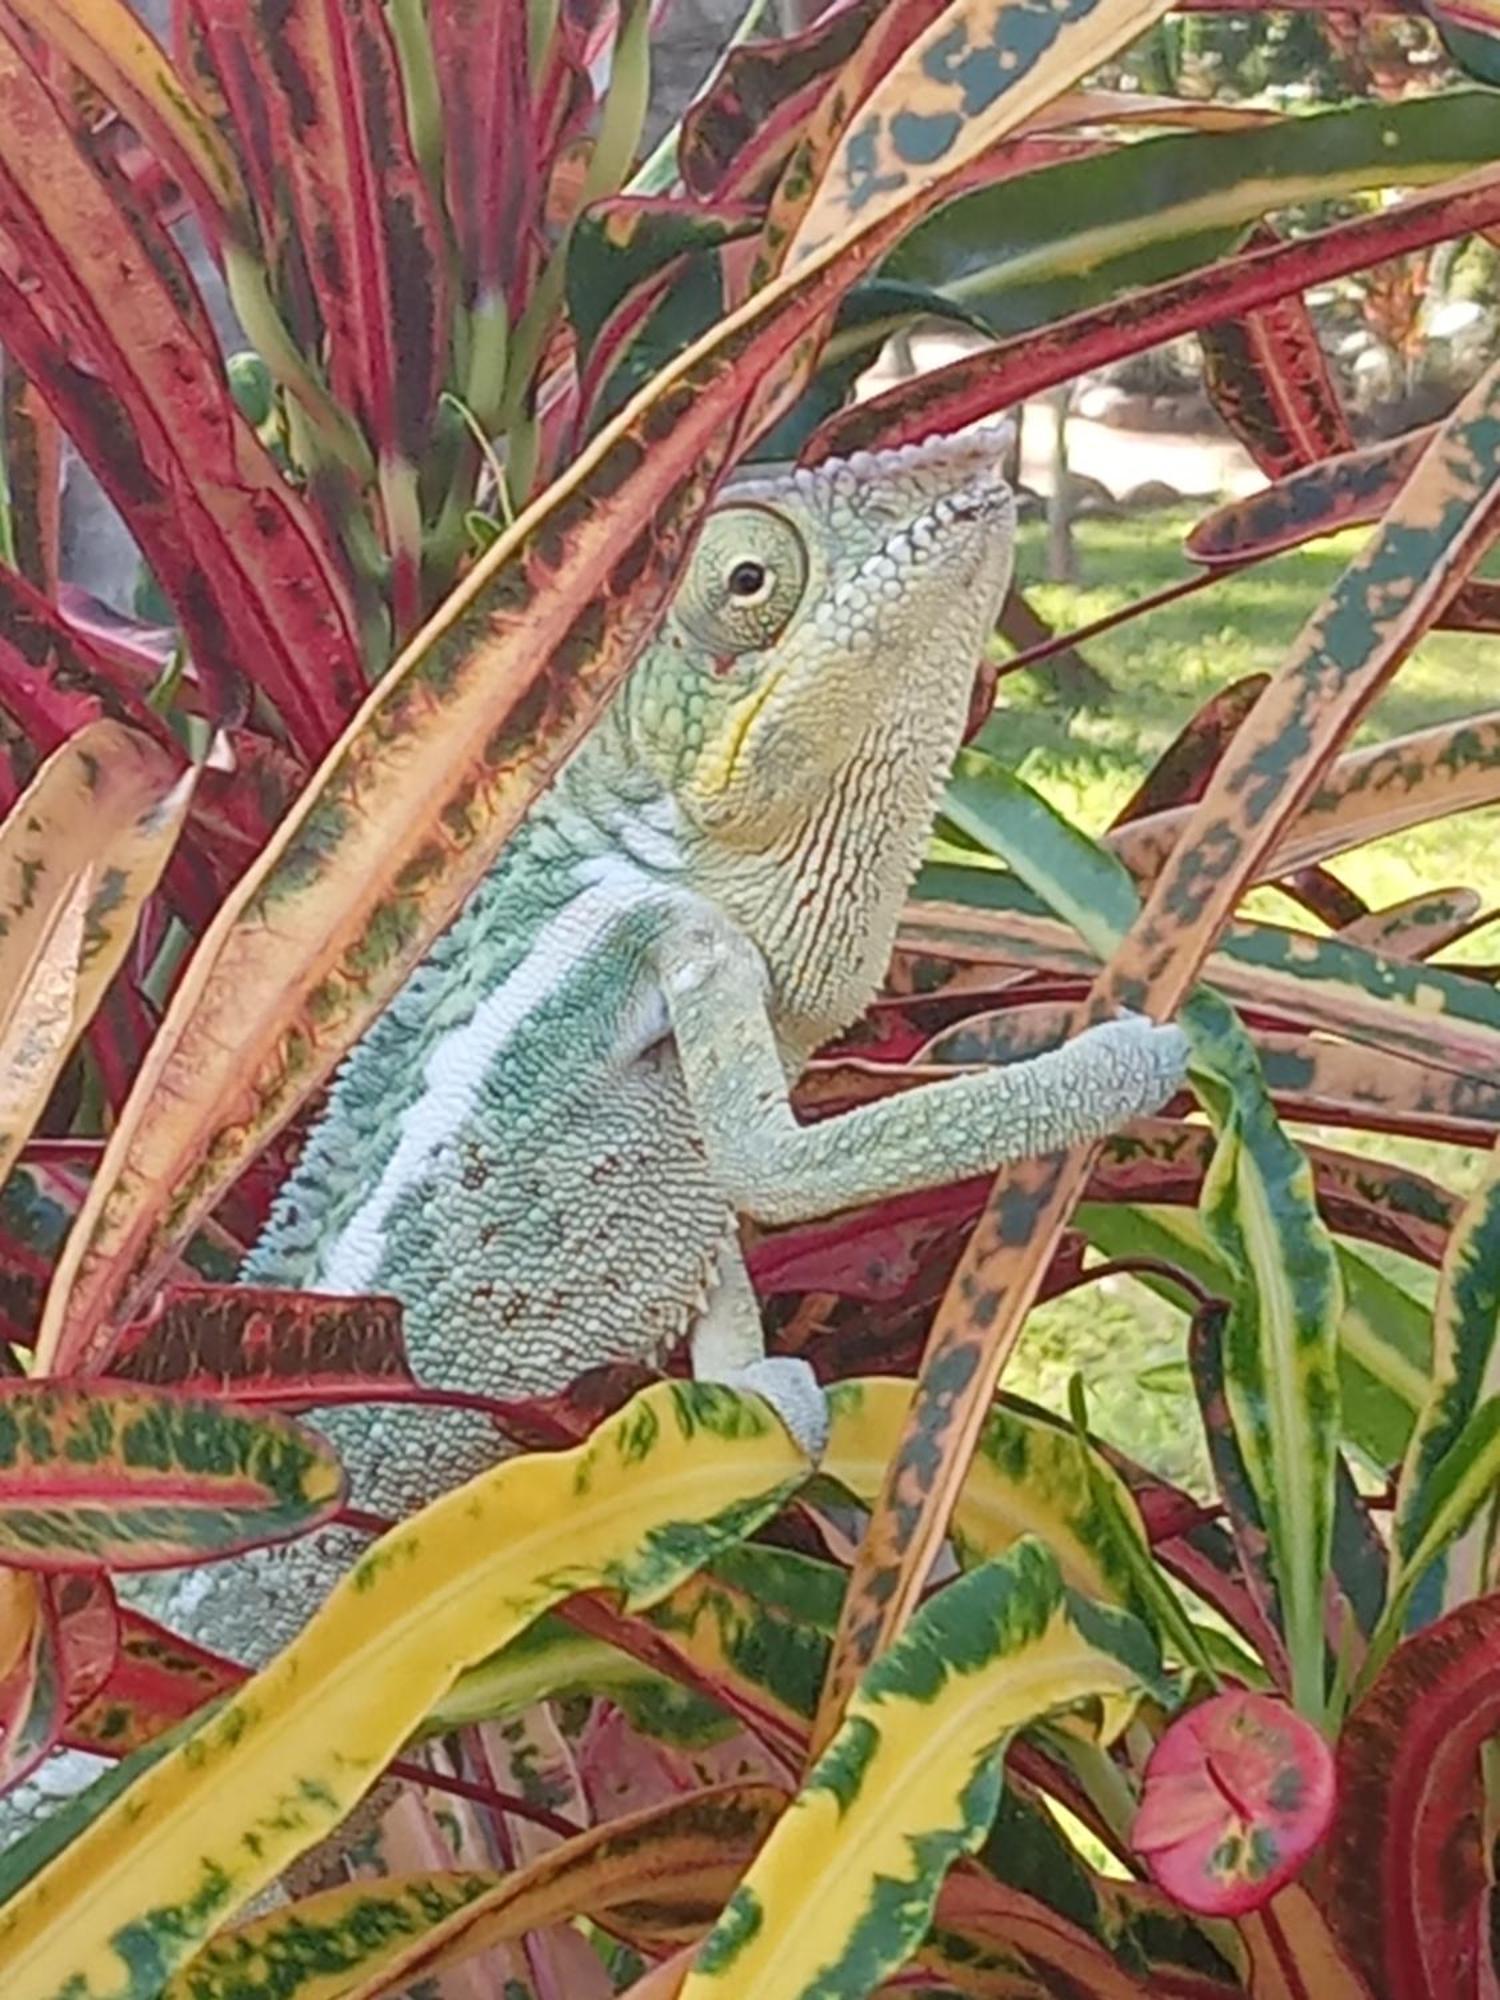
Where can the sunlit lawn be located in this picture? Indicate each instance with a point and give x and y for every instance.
(1089, 760)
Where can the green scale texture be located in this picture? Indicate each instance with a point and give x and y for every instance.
(543, 1146)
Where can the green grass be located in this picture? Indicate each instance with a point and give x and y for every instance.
(1166, 664)
(1088, 761)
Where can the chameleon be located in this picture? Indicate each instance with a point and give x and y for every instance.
(544, 1146)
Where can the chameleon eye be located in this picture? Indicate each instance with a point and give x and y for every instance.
(750, 581)
(745, 581)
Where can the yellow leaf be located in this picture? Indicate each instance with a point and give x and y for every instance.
(679, 1861)
(842, 1892)
(1027, 1477)
(682, 1471)
(81, 850)
(983, 68)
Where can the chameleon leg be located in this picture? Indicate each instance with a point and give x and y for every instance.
(728, 1345)
(771, 1167)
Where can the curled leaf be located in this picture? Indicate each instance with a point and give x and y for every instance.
(1238, 1793)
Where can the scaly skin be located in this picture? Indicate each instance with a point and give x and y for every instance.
(543, 1145)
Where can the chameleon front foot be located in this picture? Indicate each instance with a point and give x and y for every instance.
(794, 1393)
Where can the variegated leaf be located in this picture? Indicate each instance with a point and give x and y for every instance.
(845, 1886)
(95, 1475)
(657, 1490)
(409, 812)
(81, 851)
(676, 1863)
(1452, 1463)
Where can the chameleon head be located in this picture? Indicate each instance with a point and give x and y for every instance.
(828, 616)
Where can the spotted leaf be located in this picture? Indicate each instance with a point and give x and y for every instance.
(80, 852)
(1237, 1794)
(408, 813)
(844, 1888)
(135, 1479)
(667, 1869)
(257, 1344)
(679, 1473)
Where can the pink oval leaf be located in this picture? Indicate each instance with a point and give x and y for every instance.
(1238, 1792)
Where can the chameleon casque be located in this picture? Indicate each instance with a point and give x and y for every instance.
(544, 1144)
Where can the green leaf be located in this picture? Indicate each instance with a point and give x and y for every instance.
(1384, 1333)
(1452, 1463)
(95, 1475)
(843, 1890)
(1032, 249)
(1280, 1341)
(552, 1659)
(658, 1489)
(1152, 1596)
(1258, 1209)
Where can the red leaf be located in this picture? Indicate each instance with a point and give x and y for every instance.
(58, 1636)
(1407, 1882)
(375, 247)
(1023, 366)
(156, 1679)
(1268, 377)
(490, 166)
(212, 51)
(1476, 608)
(33, 472)
(55, 677)
(258, 1345)
(562, 94)
(1237, 1794)
(1342, 492)
(104, 334)
(736, 137)
(1180, 775)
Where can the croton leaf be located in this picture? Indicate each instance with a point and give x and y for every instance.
(106, 41)
(1431, 539)
(1035, 251)
(155, 1681)
(668, 1868)
(31, 440)
(1180, 774)
(1237, 1794)
(1418, 925)
(1344, 490)
(1407, 1882)
(1270, 380)
(1453, 1459)
(845, 1886)
(656, 1491)
(140, 1479)
(928, 96)
(258, 1344)
(80, 852)
(467, 727)
(1471, 34)
(57, 1642)
(491, 173)
(1025, 364)
(736, 136)
(114, 337)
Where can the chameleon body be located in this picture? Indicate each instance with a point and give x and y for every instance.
(543, 1146)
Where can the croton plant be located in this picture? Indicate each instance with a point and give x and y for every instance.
(634, 1713)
